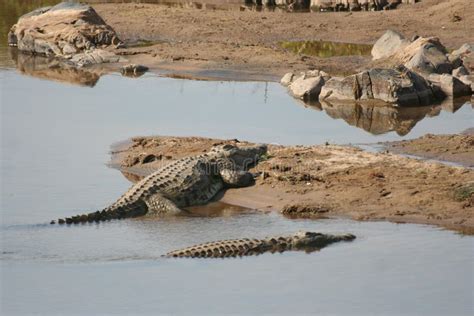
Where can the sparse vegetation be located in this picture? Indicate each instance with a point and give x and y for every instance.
(464, 192)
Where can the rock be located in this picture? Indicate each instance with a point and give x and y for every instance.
(133, 70)
(460, 71)
(69, 49)
(468, 80)
(401, 87)
(287, 79)
(316, 73)
(448, 86)
(96, 56)
(306, 88)
(463, 56)
(346, 5)
(61, 30)
(465, 49)
(388, 44)
(425, 56)
(456, 61)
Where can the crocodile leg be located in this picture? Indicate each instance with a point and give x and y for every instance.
(159, 205)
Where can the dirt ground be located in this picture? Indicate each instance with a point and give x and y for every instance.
(454, 148)
(244, 44)
(328, 181)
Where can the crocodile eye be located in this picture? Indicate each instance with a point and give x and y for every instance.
(228, 147)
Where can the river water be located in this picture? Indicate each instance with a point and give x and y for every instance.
(55, 141)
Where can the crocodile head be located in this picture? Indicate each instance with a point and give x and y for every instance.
(244, 156)
(310, 241)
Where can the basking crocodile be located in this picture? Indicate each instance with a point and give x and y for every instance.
(186, 182)
(302, 241)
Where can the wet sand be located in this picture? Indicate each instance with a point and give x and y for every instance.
(328, 181)
(241, 45)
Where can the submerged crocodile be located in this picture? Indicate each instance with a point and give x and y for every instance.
(186, 182)
(301, 241)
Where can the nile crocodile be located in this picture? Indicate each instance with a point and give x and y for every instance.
(302, 241)
(185, 182)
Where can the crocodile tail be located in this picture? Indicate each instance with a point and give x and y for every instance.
(135, 209)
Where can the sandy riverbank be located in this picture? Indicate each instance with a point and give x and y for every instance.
(457, 148)
(329, 181)
(244, 45)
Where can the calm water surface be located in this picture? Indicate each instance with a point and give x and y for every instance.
(55, 137)
(55, 140)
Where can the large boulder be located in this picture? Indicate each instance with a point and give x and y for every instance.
(425, 56)
(428, 58)
(398, 86)
(387, 45)
(62, 30)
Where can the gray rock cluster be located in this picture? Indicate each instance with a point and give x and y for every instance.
(354, 5)
(406, 73)
(446, 72)
(69, 31)
(306, 86)
(334, 5)
(398, 86)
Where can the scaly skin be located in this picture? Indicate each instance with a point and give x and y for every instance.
(302, 241)
(186, 182)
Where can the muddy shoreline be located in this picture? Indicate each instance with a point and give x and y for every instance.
(245, 45)
(327, 182)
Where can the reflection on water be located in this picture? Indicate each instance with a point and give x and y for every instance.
(261, 112)
(54, 69)
(379, 119)
(325, 49)
(142, 43)
(375, 119)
